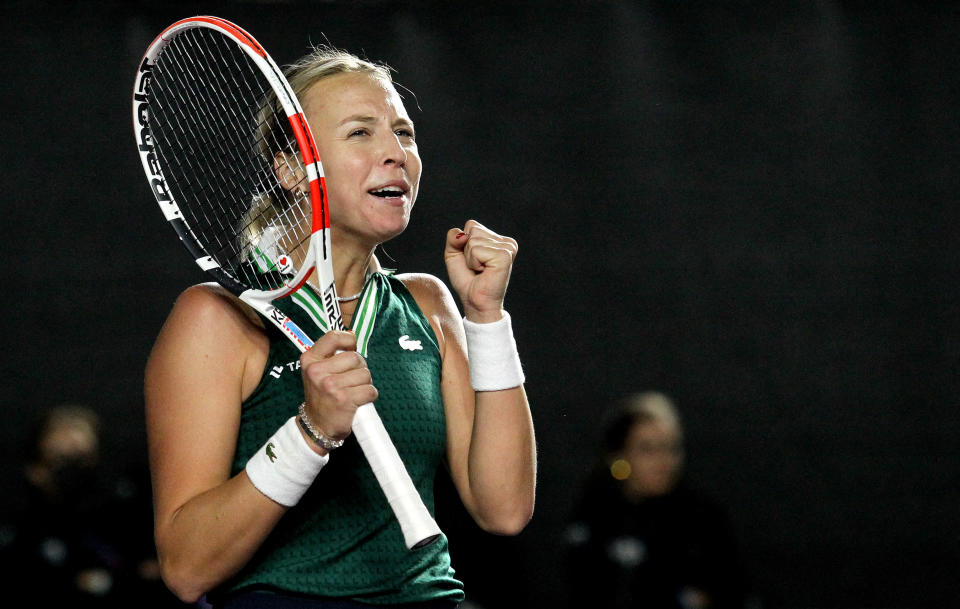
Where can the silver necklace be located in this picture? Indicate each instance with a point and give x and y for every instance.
(357, 295)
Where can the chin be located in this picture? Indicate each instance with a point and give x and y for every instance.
(390, 229)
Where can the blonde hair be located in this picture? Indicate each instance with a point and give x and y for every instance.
(324, 61)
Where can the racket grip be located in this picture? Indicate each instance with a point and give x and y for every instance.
(418, 526)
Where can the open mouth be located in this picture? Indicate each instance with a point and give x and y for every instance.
(388, 192)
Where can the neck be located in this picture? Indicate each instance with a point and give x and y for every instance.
(350, 289)
(351, 272)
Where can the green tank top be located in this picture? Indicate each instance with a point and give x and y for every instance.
(342, 540)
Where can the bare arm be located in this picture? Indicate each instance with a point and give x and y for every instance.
(208, 358)
(207, 524)
(491, 448)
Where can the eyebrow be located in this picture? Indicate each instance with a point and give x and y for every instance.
(357, 118)
(360, 118)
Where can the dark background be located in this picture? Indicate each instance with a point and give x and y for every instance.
(750, 206)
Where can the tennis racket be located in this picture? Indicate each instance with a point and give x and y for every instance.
(233, 165)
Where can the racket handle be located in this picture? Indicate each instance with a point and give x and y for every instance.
(418, 526)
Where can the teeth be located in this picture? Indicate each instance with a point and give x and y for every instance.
(390, 190)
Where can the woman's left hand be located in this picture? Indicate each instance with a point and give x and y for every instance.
(478, 263)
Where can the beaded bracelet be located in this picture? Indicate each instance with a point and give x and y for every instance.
(315, 434)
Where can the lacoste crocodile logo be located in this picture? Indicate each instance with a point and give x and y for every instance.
(410, 345)
(270, 453)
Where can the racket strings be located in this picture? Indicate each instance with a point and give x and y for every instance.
(195, 188)
(218, 133)
(211, 139)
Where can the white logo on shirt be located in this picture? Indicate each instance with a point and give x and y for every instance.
(410, 345)
(276, 371)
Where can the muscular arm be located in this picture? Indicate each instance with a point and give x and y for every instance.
(207, 524)
(490, 441)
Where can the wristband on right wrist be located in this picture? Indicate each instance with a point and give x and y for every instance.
(285, 466)
(492, 354)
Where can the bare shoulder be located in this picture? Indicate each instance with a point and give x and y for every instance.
(209, 323)
(208, 308)
(436, 301)
(431, 294)
(212, 300)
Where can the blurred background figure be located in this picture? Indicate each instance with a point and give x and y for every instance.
(82, 533)
(640, 537)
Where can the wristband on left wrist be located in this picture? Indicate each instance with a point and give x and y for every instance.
(492, 355)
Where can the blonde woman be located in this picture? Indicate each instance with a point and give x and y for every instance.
(221, 385)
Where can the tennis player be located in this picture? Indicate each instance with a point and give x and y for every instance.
(226, 394)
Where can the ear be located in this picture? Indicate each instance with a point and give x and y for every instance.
(289, 171)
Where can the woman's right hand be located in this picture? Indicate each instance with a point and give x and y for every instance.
(336, 382)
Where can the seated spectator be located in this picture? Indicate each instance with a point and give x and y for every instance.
(83, 537)
(640, 536)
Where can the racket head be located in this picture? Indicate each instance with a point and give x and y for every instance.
(230, 158)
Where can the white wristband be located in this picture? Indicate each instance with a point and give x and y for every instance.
(284, 468)
(492, 352)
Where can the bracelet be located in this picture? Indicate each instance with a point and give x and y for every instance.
(493, 357)
(315, 434)
(285, 466)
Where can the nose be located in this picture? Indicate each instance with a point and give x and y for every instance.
(394, 152)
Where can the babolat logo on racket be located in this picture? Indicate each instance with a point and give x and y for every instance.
(144, 135)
